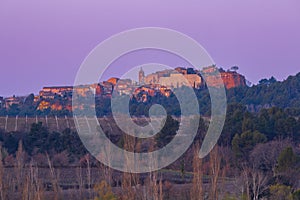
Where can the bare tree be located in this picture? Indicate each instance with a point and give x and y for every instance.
(256, 181)
(19, 168)
(264, 156)
(225, 153)
(197, 184)
(88, 167)
(54, 178)
(38, 185)
(80, 181)
(2, 190)
(259, 183)
(129, 180)
(241, 182)
(215, 167)
(160, 188)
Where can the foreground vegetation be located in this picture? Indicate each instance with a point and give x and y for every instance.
(257, 157)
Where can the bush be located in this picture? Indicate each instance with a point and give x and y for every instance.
(296, 195)
(280, 192)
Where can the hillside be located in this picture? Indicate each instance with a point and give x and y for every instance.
(269, 93)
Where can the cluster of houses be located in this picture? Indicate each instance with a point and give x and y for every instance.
(9, 101)
(158, 83)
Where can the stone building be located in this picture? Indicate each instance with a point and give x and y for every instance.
(125, 86)
(176, 80)
(43, 105)
(9, 101)
(51, 92)
(153, 78)
(144, 92)
(173, 78)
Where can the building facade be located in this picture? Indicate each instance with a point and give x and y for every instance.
(173, 78)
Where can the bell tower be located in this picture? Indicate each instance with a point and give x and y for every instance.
(141, 76)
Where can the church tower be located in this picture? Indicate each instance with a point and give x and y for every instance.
(141, 76)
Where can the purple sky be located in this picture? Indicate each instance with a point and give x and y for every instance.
(43, 43)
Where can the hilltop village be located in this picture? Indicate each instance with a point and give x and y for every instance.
(157, 83)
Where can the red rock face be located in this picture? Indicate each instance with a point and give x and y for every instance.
(230, 80)
(233, 79)
(113, 80)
